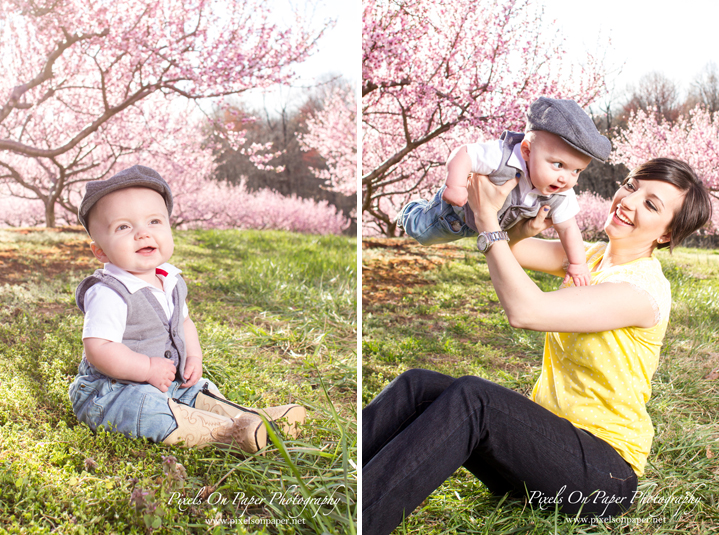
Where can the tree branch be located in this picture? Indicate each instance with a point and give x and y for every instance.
(45, 74)
(369, 86)
(398, 156)
(27, 150)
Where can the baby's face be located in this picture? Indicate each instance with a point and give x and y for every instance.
(553, 165)
(131, 228)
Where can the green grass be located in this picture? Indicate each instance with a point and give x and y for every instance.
(435, 308)
(276, 315)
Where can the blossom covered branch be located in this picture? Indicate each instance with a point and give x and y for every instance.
(86, 83)
(692, 138)
(436, 75)
(332, 132)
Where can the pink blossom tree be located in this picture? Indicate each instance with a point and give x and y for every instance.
(86, 84)
(187, 164)
(593, 213)
(693, 138)
(332, 132)
(201, 201)
(438, 74)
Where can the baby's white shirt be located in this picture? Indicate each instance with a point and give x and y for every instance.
(106, 311)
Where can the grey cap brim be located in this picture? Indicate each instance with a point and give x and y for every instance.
(137, 176)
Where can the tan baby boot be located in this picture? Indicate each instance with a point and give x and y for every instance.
(196, 427)
(288, 417)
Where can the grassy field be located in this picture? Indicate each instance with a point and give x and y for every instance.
(276, 314)
(436, 308)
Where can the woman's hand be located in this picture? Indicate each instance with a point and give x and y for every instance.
(527, 228)
(486, 200)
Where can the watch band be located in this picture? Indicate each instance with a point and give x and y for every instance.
(485, 240)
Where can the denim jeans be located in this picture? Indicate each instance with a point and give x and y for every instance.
(430, 222)
(420, 429)
(135, 410)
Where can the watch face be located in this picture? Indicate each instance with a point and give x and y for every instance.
(482, 243)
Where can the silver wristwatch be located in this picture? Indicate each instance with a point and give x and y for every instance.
(486, 239)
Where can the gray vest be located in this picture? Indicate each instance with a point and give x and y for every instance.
(513, 210)
(147, 330)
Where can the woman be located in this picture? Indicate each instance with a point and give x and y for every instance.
(583, 438)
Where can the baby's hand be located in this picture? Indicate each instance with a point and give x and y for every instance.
(454, 195)
(162, 373)
(193, 371)
(579, 273)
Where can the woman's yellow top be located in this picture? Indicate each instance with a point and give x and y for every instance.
(601, 381)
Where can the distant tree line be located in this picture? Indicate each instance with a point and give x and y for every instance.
(654, 93)
(293, 170)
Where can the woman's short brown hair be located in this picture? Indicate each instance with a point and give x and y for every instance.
(696, 208)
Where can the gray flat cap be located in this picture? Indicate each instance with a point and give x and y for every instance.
(566, 119)
(137, 176)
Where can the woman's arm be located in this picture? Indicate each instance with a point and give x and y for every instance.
(601, 307)
(586, 309)
(547, 256)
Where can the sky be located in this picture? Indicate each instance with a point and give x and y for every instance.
(677, 39)
(340, 48)
(338, 51)
(637, 37)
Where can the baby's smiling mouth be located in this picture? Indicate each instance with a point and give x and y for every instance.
(146, 250)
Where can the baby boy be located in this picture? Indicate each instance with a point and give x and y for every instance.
(141, 370)
(559, 143)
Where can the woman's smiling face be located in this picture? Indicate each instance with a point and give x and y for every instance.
(642, 212)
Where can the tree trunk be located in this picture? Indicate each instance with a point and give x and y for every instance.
(50, 213)
(391, 229)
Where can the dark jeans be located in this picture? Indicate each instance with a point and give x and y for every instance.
(420, 429)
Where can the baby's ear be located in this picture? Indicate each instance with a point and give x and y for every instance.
(99, 253)
(526, 148)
